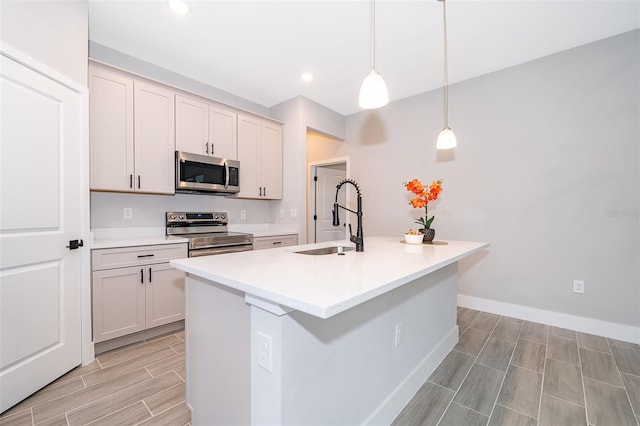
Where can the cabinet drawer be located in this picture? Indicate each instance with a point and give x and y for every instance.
(134, 256)
(260, 243)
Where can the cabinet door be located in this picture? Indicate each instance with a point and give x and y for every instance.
(111, 130)
(192, 125)
(223, 135)
(118, 302)
(165, 294)
(249, 130)
(154, 138)
(271, 160)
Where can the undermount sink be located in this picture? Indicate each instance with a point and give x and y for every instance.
(326, 250)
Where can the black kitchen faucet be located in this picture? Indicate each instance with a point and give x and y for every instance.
(358, 238)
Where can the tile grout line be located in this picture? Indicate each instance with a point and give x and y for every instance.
(544, 370)
(467, 375)
(493, 408)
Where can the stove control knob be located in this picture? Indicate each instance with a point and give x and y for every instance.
(215, 216)
(223, 216)
(181, 217)
(173, 216)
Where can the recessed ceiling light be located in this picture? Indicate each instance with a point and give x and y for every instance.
(178, 6)
(306, 76)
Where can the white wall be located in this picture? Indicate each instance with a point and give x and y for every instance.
(53, 32)
(546, 169)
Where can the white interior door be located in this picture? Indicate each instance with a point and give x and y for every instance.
(328, 177)
(40, 212)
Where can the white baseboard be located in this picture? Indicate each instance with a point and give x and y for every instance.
(612, 330)
(401, 395)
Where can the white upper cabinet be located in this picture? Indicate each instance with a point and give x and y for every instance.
(205, 129)
(111, 130)
(223, 135)
(192, 125)
(132, 133)
(271, 160)
(260, 155)
(154, 138)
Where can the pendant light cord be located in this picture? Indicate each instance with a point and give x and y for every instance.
(446, 68)
(373, 34)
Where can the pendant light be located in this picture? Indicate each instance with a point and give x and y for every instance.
(373, 92)
(446, 138)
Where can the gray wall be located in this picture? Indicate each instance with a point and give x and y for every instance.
(53, 32)
(546, 170)
(123, 61)
(299, 115)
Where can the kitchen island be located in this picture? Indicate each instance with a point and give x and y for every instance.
(280, 337)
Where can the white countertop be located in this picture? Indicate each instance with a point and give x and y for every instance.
(326, 285)
(102, 238)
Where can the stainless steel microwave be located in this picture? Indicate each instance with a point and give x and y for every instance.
(201, 173)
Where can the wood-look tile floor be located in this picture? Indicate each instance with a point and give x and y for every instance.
(139, 384)
(503, 371)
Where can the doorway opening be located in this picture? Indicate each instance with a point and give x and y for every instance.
(325, 169)
(324, 177)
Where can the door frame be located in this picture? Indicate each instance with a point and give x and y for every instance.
(87, 347)
(311, 202)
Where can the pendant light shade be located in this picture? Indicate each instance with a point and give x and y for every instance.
(373, 92)
(446, 138)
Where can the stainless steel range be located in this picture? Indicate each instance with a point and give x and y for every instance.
(207, 233)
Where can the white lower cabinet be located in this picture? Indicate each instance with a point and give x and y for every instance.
(135, 288)
(273, 241)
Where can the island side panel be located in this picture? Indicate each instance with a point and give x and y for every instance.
(218, 347)
(346, 369)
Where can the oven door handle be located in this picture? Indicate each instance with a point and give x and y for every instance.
(220, 250)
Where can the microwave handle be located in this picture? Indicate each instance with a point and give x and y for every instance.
(226, 175)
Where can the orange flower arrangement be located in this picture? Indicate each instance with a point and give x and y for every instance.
(424, 195)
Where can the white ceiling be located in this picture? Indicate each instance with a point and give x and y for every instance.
(258, 49)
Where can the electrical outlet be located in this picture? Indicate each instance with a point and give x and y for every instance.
(293, 213)
(264, 351)
(128, 213)
(243, 214)
(399, 335)
(578, 286)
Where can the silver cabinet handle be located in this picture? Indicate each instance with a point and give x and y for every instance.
(264, 193)
(138, 181)
(206, 148)
(141, 276)
(149, 274)
(131, 181)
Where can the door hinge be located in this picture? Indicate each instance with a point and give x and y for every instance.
(315, 178)
(74, 244)
(315, 217)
